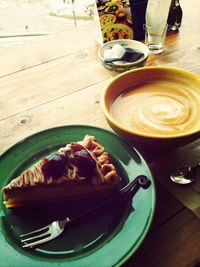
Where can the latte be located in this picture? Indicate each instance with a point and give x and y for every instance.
(160, 108)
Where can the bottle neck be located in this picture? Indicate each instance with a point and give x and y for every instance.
(177, 3)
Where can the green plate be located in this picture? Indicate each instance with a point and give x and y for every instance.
(105, 239)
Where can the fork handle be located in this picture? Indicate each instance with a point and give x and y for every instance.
(132, 187)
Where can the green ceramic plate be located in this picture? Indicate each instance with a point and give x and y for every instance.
(105, 239)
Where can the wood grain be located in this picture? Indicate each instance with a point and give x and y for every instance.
(47, 82)
(47, 48)
(58, 80)
(80, 107)
(175, 243)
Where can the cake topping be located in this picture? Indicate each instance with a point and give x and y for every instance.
(57, 164)
(85, 163)
(54, 166)
(83, 160)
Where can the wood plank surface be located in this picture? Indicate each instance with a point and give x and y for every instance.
(70, 109)
(58, 80)
(47, 82)
(173, 244)
(47, 48)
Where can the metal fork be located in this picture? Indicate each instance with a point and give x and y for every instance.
(54, 229)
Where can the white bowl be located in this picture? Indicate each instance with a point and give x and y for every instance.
(120, 66)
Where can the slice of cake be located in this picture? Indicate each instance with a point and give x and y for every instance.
(77, 171)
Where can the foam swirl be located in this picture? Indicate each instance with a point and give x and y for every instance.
(158, 109)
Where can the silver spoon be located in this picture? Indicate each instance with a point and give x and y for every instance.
(185, 174)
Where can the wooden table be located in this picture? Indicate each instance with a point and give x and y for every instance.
(57, 80)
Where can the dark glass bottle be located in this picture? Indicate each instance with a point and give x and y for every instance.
(175, 15)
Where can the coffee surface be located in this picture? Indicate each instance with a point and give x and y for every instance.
(160, 108)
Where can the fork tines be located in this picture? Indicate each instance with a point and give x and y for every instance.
(35, 237)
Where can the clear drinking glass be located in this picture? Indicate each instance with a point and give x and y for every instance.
(155, 38)
(156, 24)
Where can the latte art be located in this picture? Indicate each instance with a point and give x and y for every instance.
(162, 113)
(157, 108)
